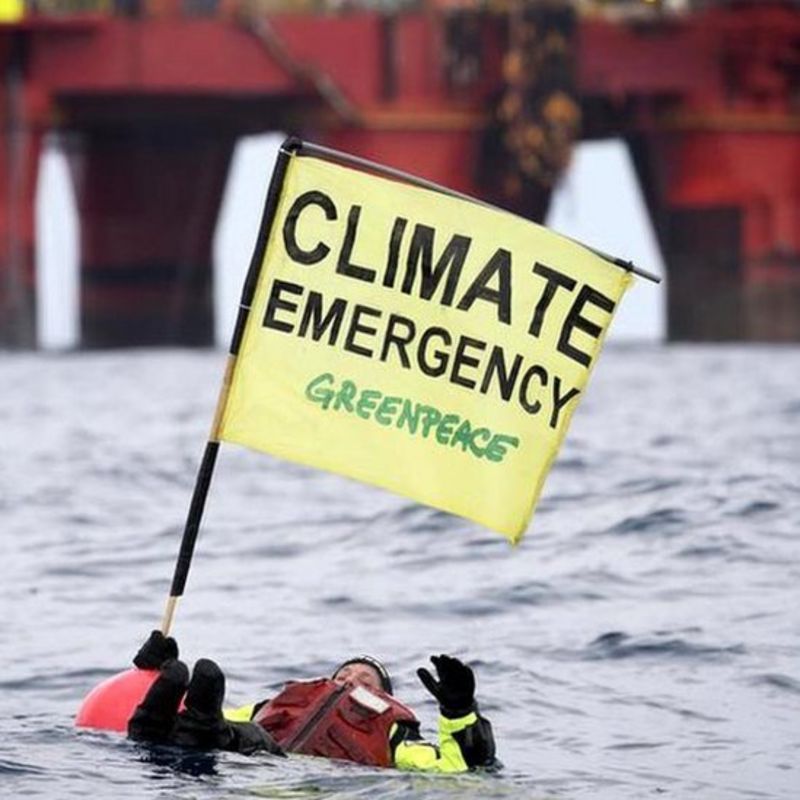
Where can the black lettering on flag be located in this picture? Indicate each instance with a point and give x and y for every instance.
(399, 340)
(313, 316)
(296, 253)
(451, 261)
(559, 400)
(505, 378)
(345, 265)
(533, 372)
(499, 264)
(439, 367)
(555, 280)
(574, 320)
(275, 304)
(461, 358)
(398, 229)
(357, 328)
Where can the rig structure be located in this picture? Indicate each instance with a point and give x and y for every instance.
(149, 99)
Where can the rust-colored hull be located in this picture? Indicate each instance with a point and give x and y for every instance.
(486, 103)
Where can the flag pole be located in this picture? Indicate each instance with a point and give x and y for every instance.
(206, 470)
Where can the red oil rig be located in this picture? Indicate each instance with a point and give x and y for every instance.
(149, 97)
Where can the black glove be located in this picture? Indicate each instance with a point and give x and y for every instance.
(250, 737)
(455, 689)
(154, 717)
(155, 651)
(202, 725)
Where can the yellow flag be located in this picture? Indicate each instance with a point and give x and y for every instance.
(416, 341)
(11, 11)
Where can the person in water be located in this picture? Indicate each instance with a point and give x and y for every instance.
(352, 715)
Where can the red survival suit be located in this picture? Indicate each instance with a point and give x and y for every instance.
(324, 718)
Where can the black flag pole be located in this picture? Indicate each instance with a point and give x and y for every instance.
(206, 469)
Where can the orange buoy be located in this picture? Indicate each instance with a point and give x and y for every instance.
(111, 703)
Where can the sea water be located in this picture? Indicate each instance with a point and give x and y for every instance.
(643, 641)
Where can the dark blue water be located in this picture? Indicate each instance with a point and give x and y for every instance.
(643, 641)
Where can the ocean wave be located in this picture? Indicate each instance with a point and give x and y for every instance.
(663, 521)
(619, 645)
(777, 681)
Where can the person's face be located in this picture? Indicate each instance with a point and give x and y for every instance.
(358, 675)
